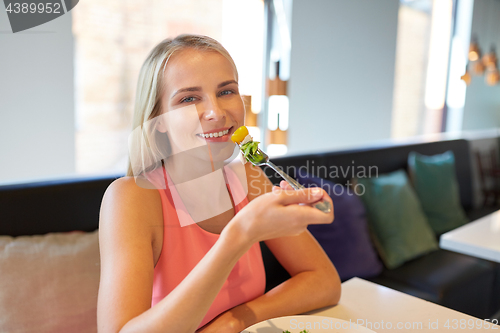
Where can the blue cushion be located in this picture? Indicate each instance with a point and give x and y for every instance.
(346, 241)
(436, 184)
(400, 228)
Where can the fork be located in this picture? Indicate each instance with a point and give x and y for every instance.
(259, 158)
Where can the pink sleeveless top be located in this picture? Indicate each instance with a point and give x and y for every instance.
(183, 247)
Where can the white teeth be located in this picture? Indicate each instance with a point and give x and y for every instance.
(214, 135)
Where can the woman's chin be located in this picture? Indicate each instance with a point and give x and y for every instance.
(213, 152)
(222, 151)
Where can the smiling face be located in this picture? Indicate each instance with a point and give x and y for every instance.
(201, 103)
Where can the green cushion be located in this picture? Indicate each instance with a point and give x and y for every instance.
(435, 182)
(398, 224)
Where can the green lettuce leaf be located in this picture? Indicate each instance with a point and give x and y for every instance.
(250, 148)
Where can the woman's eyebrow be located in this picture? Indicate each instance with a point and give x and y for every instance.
(220, 85)
(186, 89)
(225, 83)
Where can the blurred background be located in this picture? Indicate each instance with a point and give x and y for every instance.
(316, 75)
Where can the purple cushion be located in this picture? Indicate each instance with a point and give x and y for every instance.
(346, 241)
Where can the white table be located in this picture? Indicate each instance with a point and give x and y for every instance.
(479, 238)
(366, 302)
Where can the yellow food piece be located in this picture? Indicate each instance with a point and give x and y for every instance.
(239, 135)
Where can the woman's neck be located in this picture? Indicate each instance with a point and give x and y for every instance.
(185, 167)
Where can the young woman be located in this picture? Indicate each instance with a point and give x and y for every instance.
(176, 254)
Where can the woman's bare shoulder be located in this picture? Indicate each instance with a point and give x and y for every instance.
(127, 188)
(124, 199)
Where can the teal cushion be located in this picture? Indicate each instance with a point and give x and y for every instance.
(399, 226)
(435, 182)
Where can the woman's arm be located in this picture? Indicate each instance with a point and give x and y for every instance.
(314, 283)
(129, 215)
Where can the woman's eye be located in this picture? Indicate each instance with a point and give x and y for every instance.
(188, 100)
(227, 92)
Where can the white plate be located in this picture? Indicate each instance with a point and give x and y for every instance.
(313, 324)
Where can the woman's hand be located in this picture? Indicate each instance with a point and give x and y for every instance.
(218, 327)
(224, 323)
(281, 213)
(233, 320)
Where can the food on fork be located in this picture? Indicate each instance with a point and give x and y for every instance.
(247, 146)
(257, 157)
(239, 135)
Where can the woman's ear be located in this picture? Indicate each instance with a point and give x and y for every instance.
(161, 123)
(160, 127)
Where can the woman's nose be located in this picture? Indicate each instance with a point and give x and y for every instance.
(213, 110)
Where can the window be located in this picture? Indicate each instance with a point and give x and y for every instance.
(422, 54)
(112, 39)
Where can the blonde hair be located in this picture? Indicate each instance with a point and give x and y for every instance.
(150, 86)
